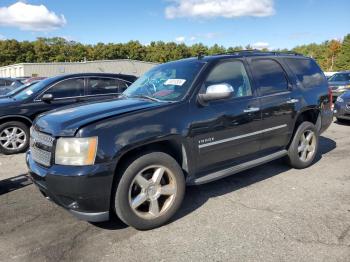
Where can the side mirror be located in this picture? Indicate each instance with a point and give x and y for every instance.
(216, 92)
(47, 98)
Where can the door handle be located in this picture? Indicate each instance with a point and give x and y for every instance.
(251, 110)
(292, 101)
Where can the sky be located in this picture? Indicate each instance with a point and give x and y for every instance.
(261, 23)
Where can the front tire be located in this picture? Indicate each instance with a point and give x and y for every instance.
(304, 147)
(14, 137)
(150, 191)
(340, 120)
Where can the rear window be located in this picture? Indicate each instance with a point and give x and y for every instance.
(307, 72)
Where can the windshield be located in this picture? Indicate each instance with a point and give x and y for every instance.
(340, 77)
(167, 82)
(30, 90)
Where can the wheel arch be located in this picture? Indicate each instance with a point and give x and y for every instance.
(172, 146)
(312, 114)
(23, 119)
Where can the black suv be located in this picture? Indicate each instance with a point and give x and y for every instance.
(20, 107)
(185, 122)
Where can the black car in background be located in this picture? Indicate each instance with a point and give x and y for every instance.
(342, 107)
(18, 110)
(339, 83)
(18, 89)
(8, 84)
(185, 122)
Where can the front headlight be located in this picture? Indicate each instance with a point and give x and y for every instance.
(340, 100)
(341, 88)
(76, 151)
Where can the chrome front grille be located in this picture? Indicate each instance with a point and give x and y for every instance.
(41, 147)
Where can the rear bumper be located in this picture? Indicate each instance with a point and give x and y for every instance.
(84, 191)
(326, 119)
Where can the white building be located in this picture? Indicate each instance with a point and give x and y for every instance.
(124, 66)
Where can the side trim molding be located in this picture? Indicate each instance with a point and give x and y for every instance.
(242, 136)
(238, 168)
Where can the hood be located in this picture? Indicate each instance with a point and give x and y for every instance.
(4, 91)
(346, 95)
(6, 101)
(66, 121)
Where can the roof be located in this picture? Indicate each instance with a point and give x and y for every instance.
(124, 76)
(84, 62)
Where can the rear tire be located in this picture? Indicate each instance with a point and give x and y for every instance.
(150, 191)
(304, 147)
(14, 137)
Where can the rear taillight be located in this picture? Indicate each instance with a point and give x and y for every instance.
(330, 97)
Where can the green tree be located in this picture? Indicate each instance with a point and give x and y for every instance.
(343, 59)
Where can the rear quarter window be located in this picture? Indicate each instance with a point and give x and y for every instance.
(308, 73)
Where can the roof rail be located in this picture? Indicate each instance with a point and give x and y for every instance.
(256, 51)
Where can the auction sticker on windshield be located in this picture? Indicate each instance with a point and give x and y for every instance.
(175, 82)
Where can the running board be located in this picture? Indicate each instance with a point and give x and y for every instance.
(238, 168)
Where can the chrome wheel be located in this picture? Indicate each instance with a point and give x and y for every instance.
(307, 145)
(152, 192)
(13, 138)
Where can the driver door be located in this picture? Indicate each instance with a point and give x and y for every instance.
(223, 132)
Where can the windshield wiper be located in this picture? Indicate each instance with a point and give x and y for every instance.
(147, 97)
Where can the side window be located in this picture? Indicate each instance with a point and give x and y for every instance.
(2, 82)
(100, 86)
(307, 72)
(232, 73)
(67, 88)
(9, 82)
(270, 76)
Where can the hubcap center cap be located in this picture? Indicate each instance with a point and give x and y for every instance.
(152, 191)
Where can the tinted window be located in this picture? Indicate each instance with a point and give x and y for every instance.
(270, 76)
(9, 82)
(99, 86)
(341, 77)
(68, 88)
(2, 82)
(232, 73)
(307, 72)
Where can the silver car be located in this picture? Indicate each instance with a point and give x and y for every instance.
(339, 83)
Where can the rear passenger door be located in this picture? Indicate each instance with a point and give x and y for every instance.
(104, 87)
(278, 106)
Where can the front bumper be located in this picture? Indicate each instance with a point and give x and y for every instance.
(84, 191)
(336, 93)
(341, 111)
